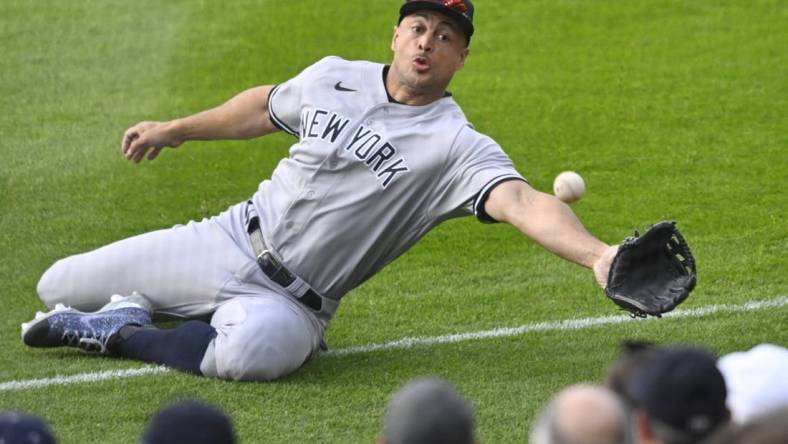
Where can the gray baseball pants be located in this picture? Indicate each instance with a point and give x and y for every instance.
(191, 271)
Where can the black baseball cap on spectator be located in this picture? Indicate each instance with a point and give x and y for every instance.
(18, 428)
(459, 10)
(189, 422)
(682, 392)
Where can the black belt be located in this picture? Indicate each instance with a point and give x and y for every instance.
(276, 271)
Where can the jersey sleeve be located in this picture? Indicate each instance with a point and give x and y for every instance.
(479, 165)
(286, 99)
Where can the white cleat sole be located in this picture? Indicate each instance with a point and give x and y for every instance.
(134, 300)
(42, 317)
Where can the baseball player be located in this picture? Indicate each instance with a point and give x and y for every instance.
(383, 155)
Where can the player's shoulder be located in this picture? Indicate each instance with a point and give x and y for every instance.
(336, 63)
(469, 139)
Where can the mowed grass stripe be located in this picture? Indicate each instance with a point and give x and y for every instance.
(404, 343)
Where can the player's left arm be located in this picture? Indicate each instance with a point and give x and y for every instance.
(550, 223)
(245, 116)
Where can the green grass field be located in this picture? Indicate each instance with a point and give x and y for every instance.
(669, 109)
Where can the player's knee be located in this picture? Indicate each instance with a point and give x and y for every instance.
(50, 287)
(261, 352)
(256, 364)
(259, 340)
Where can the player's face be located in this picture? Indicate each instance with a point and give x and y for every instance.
(428, 49)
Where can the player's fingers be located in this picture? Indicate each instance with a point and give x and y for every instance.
(131, 147)
(140, 154)
(128, 137)
(127, 143)
(137, 150)
(154, 153)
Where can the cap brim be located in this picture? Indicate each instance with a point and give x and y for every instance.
(411, 7)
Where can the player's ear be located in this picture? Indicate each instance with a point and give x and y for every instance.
(394, 36)
(463, 56)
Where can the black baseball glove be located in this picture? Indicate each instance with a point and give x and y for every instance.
(653, 273)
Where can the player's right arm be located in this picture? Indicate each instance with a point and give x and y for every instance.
(245, 116)
(552, 224)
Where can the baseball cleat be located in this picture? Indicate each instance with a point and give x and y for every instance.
(65, 326)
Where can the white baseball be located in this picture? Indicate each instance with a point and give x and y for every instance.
(569, 186)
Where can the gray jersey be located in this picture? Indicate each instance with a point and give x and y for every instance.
(368, 177)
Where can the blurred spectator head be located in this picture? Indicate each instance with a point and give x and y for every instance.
(633, 353)
(189, 422)
(18, 428)
(428, 410)
(757, 381)
(679, 396)
(583, 414)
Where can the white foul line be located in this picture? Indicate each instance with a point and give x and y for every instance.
(81, 377)
(568, 324)
(404, 343)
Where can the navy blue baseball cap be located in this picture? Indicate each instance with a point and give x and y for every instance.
(682, 389)
(18, 428)
(459, 10)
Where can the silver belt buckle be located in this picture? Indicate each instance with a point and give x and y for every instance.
(268, 257)
(280, 272)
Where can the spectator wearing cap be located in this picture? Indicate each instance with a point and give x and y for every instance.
(583, 414)
(19, 428)
(428, 411)
(757, 381)
(679, 397)
(189, 422)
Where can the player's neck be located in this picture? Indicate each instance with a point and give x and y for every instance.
(406, 94)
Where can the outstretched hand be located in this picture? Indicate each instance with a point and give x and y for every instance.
(602, 265)
(147, 137)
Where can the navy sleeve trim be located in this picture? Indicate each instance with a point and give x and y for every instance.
(276, 120)
(481, 198)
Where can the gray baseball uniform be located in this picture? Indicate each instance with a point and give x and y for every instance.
(367, 178)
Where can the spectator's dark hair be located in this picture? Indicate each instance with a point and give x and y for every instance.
(189, 422)
(633, 354)
(428, 410)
